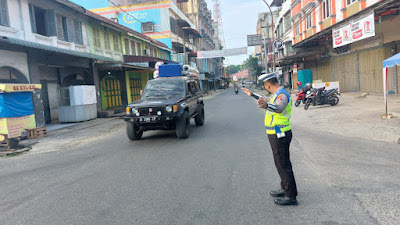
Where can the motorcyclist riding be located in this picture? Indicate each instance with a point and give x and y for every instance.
(236, 88)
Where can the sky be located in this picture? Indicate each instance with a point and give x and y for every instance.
(239, 18)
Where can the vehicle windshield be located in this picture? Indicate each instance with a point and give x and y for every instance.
(164, 87)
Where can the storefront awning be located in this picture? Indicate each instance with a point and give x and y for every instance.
(392, 61)
(123, 66)
(182, 23)
(136, 59)
(298, 55)
(192, 31)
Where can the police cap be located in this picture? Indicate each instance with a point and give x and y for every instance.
(266, 77)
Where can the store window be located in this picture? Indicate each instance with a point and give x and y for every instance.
(116, 43)
(96, 37)
(309, 20)
(349, 2)
(326, 9)
(4, 13)
(107, 45)
(62, 32)
(41, 21)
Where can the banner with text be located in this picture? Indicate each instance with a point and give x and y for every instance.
(221, 53)
(354, 31)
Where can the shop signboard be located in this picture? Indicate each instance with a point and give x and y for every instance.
(295, 68)
(15, 126)
(254, 40)
(19, 87)
(327, 85)
(354, 31)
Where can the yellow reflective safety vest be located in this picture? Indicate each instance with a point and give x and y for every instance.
(279, 122)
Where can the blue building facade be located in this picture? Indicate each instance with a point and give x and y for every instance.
(151, 18)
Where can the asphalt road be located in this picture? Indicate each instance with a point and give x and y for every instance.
(221, 174)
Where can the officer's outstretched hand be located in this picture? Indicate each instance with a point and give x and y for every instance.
(247, 91)
(262, 103)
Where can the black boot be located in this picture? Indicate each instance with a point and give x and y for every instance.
(286, 201)
(279, 193)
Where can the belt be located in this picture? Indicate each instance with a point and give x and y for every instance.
(273, 128)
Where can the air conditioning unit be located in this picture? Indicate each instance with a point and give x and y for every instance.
(147, 27)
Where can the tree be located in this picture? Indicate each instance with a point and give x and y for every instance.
(251, 64)
(233, 69)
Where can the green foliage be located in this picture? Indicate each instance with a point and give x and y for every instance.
(251, 64)
(233, 69)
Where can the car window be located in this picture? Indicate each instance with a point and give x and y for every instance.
(164, 87)
(189, 89)
(193, 88)
(197, 85)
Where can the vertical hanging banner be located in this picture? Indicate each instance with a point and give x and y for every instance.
(354, 31)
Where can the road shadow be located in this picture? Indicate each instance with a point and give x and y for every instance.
(319, 107)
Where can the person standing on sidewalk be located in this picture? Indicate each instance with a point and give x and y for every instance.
(278, 125)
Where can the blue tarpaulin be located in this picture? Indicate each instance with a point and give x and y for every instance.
(392, 61)
(16, 104)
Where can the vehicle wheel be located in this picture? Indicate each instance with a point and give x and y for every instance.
(297, 103)
(182, 126)
(199, 119)
(133, 132)
(334, 100)
(308, 102)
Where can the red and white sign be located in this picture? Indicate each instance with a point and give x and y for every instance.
(354, 31)
(295, 68)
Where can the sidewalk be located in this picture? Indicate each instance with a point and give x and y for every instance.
(354, 116)
(74, 135)
(66, 136)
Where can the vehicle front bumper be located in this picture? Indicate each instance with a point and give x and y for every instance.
(150, 119)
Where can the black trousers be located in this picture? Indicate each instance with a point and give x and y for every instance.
(280, 150)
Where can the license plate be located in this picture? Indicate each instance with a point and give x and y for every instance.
(147, 120)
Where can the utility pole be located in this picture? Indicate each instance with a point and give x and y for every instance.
(266, 54)
(273, 38)
(184, 47)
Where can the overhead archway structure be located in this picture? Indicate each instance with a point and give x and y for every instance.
(12, 75)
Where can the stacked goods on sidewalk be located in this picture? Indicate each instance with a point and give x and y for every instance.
(16, 112)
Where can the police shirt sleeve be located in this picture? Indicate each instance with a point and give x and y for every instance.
(281, 103)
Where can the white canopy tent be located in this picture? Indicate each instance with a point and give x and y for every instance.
(390, 62)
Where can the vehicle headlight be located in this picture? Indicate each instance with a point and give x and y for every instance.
(168, 108)
(134, 111)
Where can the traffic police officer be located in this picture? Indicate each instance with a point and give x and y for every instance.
(278, 126)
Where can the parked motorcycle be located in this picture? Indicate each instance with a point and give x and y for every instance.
(321, 97)
(301, 94)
